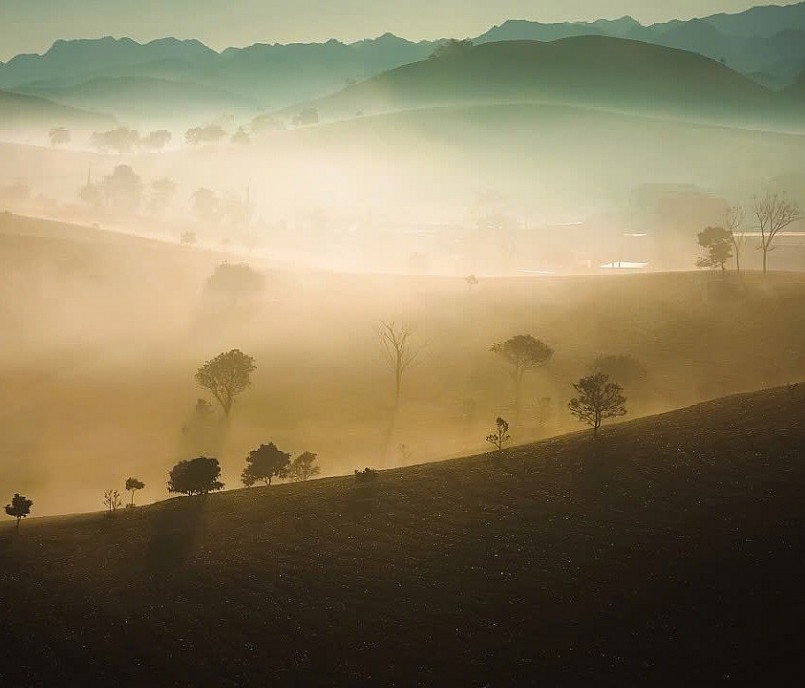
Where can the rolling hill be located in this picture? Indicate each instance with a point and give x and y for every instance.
(18, 111)
(135, 98)
(668, 551)
(590, 71)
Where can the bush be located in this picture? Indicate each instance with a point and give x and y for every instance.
(367, 475)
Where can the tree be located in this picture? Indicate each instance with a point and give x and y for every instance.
(19, 508)
(132, 485)
(111, 498)
(157, 140)
(398, 351)
(522, 353)
(264, 463)
(598, 400)
(733, 221)
(123, 189)
(205, 204)
(501, 434)
(188, 239)
(226, 376)
(241, 136)
(306, 117)
(59, 136)
(622, 367)
(264, 124)
(472, 281)
(196, 476)
(774, 212)
(302, 467)
(121, 139)
(718, 243)
(234, 280)
(451, 46)
(162, 192)
(210, 133)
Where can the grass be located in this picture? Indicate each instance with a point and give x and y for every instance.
(670, 549)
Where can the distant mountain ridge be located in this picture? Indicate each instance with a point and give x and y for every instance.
(765, 41)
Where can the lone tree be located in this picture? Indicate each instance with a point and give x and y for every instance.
(112, 501)
(234, 280)
(522, 353)
(196, 476)
(733, 221)
(501, 434)
(774, 212)
(717, 241)
(472, 281)
(132, 485)
(302, 467)
(59, 136)
(598, 399)
(264, 463)
(398, 351)
(19, 508)
(226, 376)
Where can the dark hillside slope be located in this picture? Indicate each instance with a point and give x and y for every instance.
(669, 550)
(586, 70)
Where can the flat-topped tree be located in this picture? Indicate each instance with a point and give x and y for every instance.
(522, 353)
(19, 508)
(598, 400)
(264, 463)
(226, 376)
(132, 485)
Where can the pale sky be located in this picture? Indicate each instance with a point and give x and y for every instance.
(33, 25)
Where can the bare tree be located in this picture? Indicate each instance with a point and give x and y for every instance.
(774, 212)
(112, 500)
(398, 351)
(733, 221)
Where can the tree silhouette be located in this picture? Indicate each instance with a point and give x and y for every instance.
(234, 280)
(157, 140)
(264, 463)
(162, 192)
(718, 243)
(132, 485)
(302, 467)
(733, 221)
(451, 46)
(111, 498)
(398, 351)
(598, 400)
(501, 434)
(471, 280)
(206, 134)
(59, 136)
(196, 476)
(123, 189)
(522, 353)
(226, 376)
(19, 508)
(306, 117)
(774, 212)
(205, 204)
(121, 139)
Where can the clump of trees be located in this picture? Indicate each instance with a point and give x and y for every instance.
(197, 476)
(210, 133)
(367, 475)
(122, 139)
(265, 463)
(501, 434)
(19, 508)
(306, 117)
(226, 376)
(156, 140)
(133, 485)
(450, 47)
(598, 399)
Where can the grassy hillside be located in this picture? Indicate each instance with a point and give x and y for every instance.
(670, 550)
(586, 70)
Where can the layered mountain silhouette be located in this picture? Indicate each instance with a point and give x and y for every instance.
(767, 43)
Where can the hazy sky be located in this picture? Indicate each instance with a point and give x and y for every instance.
(33, 25)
